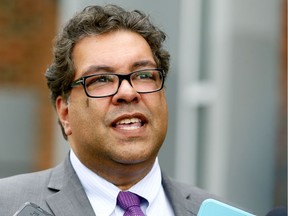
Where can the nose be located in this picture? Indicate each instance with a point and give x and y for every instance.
(126, 94)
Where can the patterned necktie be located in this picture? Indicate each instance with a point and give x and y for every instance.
(130, 203)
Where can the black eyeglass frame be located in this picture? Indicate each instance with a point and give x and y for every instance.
(121, 77)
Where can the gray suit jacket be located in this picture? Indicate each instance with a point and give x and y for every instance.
(59, 191)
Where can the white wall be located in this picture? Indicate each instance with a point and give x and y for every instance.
(226, 128)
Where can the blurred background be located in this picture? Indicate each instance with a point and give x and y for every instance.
(226, 93)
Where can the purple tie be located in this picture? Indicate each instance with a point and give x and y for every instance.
(130, 203)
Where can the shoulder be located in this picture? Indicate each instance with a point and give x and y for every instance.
(36, 180)
(184, 198)
(186, 190)
(24, 180)
(24, 183)
(189, 191)
(19, 189)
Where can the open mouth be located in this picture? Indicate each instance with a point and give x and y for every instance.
(132, 123)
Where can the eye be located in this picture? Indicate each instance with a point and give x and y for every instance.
(103, 78)
(99, 80)
(145, 75)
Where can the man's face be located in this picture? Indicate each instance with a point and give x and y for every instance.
(126, 128)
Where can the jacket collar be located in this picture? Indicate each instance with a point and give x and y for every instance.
(69, 197)
(179, 197)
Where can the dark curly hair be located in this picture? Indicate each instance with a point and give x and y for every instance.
(96, 20)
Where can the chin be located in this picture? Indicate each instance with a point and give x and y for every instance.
(131, 161)
(135, 159)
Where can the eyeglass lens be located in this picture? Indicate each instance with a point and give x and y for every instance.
(143, 81)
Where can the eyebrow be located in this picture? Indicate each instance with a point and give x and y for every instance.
(105, 68)
(143, 63)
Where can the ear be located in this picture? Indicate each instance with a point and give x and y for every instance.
(62, 109)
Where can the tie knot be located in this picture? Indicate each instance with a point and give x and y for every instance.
(127, 199)
(130, 203)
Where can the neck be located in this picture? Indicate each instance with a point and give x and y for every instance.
(124, 176)
(127, 176)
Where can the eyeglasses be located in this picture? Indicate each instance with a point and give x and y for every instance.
(107, 84)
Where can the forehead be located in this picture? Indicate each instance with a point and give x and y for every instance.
(119, 50)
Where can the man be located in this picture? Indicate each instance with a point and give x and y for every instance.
(106, 84)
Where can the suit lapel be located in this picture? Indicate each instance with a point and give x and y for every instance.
(179, 198)
(69, 197)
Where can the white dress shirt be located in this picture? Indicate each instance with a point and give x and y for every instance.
(103, 195)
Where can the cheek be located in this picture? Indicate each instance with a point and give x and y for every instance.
(159, 110)
(164, 116)
(161, 117)
(84, 114)
(162, 104)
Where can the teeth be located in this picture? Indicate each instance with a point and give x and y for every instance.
(129, 121)
(131, 128)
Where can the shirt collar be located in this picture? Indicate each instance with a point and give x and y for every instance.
(103, 194)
